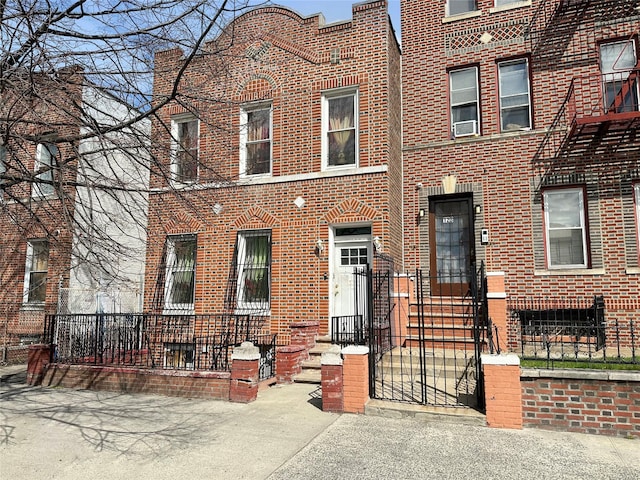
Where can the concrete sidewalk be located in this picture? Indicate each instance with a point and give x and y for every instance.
(67, 434)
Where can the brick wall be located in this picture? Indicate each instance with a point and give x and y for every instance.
(28, 218)
(284, 59)
(209, 385)
(597, 402)
(496, 168)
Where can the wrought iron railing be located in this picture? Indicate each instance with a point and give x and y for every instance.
(184, 342)
(573, 330)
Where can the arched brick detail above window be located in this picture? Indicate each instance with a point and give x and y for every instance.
(258, 86)
(182, 223)
(351, 210)
(254, 217)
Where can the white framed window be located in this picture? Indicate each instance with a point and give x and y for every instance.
(565, 228)
(179, 356)
(255, 140)
(456, 7)
(503, 3)
(253, 268)
(36, 268)
(3, 162)
(45, 163)
(617, 62)
(185, 132)
(515, 100)
(340, 129)
(180, 272)
(464, 100)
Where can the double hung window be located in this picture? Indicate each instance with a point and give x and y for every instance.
(254, 271)
(339, 129)
(184, 162)
(255, 141)
(36, 268)
(180, 272)
(464, 100)
(515, 103)
(619, 79)
(565, 228)
(45, 164)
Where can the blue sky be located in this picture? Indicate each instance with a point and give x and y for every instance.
(336, 10)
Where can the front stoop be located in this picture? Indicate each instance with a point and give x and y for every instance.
(427, 413)
(311, 368)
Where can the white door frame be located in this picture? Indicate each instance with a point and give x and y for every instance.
(335, 242)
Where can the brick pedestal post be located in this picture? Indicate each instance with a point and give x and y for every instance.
(332, 385)
(502, 390)
(245, 365)
(39, 356)
(288, 362)
(355, 378)
(304, 334)
(497, 308)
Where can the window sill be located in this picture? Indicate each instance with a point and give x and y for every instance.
(32, 307)
(462, 16)
(178, 311)
(569, 271)
(633, 271)
(511, 6)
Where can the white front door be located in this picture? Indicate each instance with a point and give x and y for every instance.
(349, 252)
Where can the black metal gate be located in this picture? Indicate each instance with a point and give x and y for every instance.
(424, 351)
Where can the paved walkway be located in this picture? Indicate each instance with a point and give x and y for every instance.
(65, 434)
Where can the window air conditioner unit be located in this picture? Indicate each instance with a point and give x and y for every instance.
(465, 129)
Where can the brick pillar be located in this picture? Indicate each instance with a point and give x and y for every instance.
(38, 359)
(497, 306)
(355, 378)
(288, 362)
(502, 390)
(332, 385)
(245, 365)
(304, 334)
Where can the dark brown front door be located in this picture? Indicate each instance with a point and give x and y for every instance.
(451, 245)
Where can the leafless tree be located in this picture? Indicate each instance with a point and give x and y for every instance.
(76, 82)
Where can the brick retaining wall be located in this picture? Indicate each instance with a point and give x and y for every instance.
(597, 402)
(210, 385)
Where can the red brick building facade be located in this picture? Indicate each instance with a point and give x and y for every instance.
(285, 149)
(520, 145)
(35, 246)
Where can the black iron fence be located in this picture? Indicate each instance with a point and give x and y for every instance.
(184, 342)
(573, 330)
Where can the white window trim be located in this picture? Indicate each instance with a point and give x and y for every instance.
(175, 145)
(27, 272)
(583, 227)
(244, 115)
(509, 6)
(170, 260)
(329, 95)
(514, 62)
(252, 307)
(461, 13)
(451, 104)
(36, 191)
